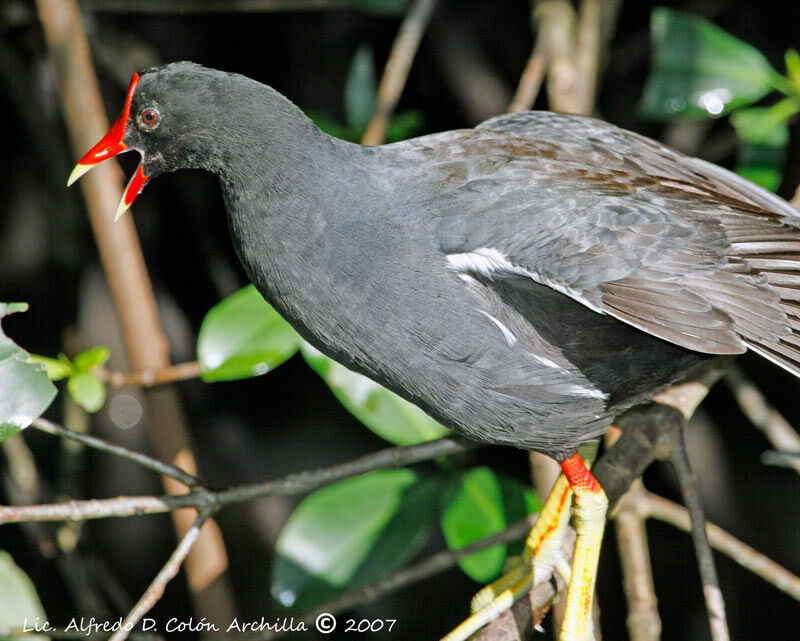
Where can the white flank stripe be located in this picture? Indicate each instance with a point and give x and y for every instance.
(577, 390)
(483, 260)
(510, 338)
(489, 261)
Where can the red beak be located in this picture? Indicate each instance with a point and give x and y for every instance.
(110, 145)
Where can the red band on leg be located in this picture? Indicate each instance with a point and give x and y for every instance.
(578, 475)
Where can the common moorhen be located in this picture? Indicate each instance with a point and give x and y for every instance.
(523, 282)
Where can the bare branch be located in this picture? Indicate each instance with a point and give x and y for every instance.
(99, 444)
(531, 80)
(644, 622)
(152, 376)
(715, 604)
(657, 507)
(289, 485)
(397, 67)
(763, 415)
(156, 588)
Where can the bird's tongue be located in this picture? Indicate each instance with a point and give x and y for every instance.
(110, 145)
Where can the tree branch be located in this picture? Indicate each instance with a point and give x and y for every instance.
(152, 376)
(715, 604)
(395, 74)
(763, 415)
(149, 462)
(165, 575)
(657, 507)
(292, 484)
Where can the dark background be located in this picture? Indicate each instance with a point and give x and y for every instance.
(288, 421)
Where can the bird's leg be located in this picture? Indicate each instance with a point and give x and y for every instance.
(542, 548)
(589, 512)
(541, 554)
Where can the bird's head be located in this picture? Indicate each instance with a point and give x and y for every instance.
(171, 116)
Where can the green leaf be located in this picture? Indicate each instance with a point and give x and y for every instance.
(25, 390)
(96, 356)
(19, 602)
(763, 141)
(474, 511)
(699, 70)
(792, 58)
(518, 502)
(766, 177)
(404, 125)
(352, 533)
(359, 89)
(243, 336)
(87, 390)
(56, 368)
(385, 413)
(333, 128)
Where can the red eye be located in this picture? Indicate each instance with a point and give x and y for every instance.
(149, 117)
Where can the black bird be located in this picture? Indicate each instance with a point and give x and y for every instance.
(523, 282)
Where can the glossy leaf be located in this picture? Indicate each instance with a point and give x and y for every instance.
(56, 368)
(333, 128)
(87, 390)
(480, 504)
(352, 533)
(763, 141)
(243, 336)
(404, 125)
(19, 602)
(475, 511)
(96, 356)
(360, 90)
(699, 70)
(25, 390)
(385, 413)
(792, 58)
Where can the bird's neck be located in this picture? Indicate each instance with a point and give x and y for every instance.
(282, 196)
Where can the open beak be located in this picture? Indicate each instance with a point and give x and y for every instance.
(109, 146)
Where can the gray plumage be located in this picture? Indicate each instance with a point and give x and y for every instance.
(523, 281)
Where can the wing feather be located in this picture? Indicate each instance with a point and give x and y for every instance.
(677, 247)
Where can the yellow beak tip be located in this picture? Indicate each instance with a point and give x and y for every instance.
(77, 172)
(121, 209)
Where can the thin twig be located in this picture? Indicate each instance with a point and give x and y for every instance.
(397, 67)
(531, 80)
(644, 622)
(657, 507)
(99, 444)
(715, 604)
(763, 415)
(156, 588)
(150, 377)
(289, 485)
(587, 53)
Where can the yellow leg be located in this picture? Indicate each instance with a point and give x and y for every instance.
(541, 554)
(589, 514)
